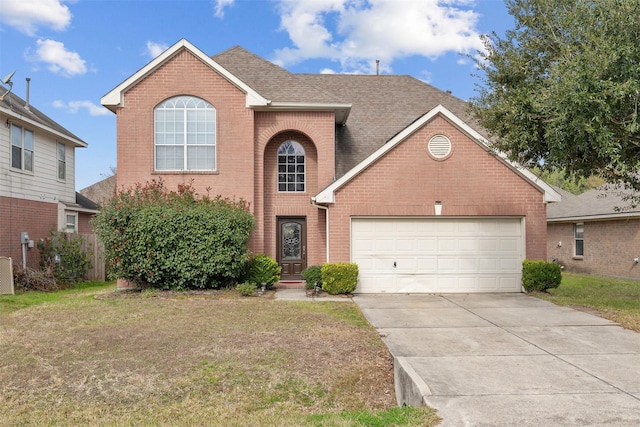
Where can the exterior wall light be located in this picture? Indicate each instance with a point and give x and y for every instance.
(438, 207)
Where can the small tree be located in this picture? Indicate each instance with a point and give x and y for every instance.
(174, 239)
(63, 254)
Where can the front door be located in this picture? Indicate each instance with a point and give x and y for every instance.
(292, 247)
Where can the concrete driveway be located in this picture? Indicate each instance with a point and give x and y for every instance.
(508, 360)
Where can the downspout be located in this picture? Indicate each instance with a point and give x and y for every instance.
(326, 215)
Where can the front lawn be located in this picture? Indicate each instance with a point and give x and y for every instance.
(614, 299)
(90, 356)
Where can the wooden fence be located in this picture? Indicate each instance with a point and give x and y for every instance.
(95, 249)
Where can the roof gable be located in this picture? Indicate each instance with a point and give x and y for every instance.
(328, 194)
(114, 98)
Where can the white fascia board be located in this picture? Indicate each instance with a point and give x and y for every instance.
(599, 217)
(115, 97)
(341, 110)
(36, 124)
(328, 194)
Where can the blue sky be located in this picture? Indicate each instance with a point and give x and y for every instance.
(75, 51)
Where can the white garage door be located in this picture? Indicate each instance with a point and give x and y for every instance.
(438, 255)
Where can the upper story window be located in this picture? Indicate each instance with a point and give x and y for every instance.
(21, 148)
(62, 162)
(291, 167)
(578, 236)
(185, 135)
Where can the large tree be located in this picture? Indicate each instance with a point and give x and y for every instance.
(562, 89)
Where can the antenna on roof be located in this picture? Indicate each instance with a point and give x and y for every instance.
(6, 80)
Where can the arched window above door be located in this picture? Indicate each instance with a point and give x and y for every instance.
(291, 167)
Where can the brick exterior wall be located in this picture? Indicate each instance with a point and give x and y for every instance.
(407, 181)
(36, 218)
(315, 131)
(609, 247)
(84, 223)
(186, 75)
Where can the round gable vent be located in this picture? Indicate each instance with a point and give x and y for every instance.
(439, 146)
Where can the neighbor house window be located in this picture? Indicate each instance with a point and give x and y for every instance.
(185, 135)
(62, 162)
(71, 223)
(291, 170)
(578, 235)
(21, 148)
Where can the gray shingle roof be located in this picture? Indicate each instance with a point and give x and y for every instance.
(17, 105)
(599, 203)
(269, 80)
(382, 105)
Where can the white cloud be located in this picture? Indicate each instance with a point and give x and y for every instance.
(155, 49)
(75, 106)
(28, 15)
(219, 7)
(356, 32)
(59, 59)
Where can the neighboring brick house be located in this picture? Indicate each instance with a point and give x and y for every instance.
(37, 179)
(597, 233)
(385, 171)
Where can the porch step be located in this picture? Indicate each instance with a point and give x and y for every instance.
(290, 284)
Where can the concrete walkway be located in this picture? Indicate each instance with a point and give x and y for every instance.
(508, 360)
(301, 295)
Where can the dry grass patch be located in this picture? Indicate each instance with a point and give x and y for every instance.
(191, 359)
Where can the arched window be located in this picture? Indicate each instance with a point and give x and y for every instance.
(291, 167)
(185, 135)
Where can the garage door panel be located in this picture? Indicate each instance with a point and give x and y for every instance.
(438, 254)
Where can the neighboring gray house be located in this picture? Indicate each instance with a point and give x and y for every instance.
(597, 232)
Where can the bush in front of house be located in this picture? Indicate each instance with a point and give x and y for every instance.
(312, 275)
(339, 278)
(175, 240)
(263, 269)
(246, 289)
(540, 275)
(63, 254)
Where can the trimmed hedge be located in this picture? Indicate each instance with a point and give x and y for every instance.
(312, 275)
(339, 278)
(263, 269)
(540, 275)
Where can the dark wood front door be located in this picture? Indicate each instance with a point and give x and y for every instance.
(292, 247)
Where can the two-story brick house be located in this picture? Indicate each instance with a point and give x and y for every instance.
(37, 179)
(385, 171)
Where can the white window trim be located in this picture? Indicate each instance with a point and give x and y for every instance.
(63, 160)
(296, 145)
(576, 239)
(67, 215)
(23, 150)
(185, 146)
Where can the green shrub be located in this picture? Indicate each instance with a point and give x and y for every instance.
(540, 275)
(263, 269)
(174, 240)
(339, 278)
(64, 256)
(312, 275)
(246, 289)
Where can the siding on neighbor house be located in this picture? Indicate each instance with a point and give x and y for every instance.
(609, 247)
(407, 182)
(41, 184)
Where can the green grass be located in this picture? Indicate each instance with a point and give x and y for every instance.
(20, 300)
(615, 299)
(91, 356)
